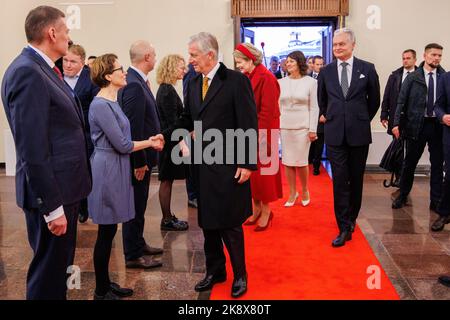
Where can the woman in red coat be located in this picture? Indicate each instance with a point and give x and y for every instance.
(266, 182)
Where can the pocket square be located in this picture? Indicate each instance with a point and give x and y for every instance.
(362, 76)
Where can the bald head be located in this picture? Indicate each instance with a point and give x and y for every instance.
(142, 55)
(138, 50)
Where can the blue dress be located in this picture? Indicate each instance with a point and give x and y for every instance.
(111, 200)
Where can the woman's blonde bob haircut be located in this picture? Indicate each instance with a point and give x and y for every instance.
(258, 54)
(168, 69)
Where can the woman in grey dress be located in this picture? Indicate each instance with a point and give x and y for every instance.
(111, 200)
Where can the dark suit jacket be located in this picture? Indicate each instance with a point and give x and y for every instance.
(442, 105)
(389, 104)
(229, 104)
(348, 119)
(47, 125)
(277, 74)
(86, 90)
(412, 103)
(139, 104)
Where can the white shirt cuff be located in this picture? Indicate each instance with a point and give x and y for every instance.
(54, 214)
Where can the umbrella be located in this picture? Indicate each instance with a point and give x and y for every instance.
(392, 161)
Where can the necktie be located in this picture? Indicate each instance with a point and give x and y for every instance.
(344, 79)
(430, 104)
(315, 75)
(58, 73)
(148, 85)
(205, 87)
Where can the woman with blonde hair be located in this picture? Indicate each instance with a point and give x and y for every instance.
(299, 117)
(265, 187)
(170, 70)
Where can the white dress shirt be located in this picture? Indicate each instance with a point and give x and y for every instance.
(406, 73)
(427, 81)
(59, 211)
(143, 75)
(72, 81)
(349, 70)
(212, 73)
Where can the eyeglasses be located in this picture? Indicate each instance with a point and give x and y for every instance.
(120, 68)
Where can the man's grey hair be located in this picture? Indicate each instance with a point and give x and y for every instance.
(274, 59)
(347, 31)
(206, 42)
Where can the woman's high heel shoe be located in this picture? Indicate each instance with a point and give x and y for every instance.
(306, 202)
(269, 222)
(291, 203)
(252, 223)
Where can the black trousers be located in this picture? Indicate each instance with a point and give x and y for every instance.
(444, 205)
(316, 150)
(431, 134)
(215, 257)
(191, 186)
(348, 165)
(47, 275)
(133, 230)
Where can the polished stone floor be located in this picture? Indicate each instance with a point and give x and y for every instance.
(412, 256)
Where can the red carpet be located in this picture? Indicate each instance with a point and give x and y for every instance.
(293, 259)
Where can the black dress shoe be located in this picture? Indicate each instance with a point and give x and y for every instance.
(108, 296)
(316, 171)
(143, 263)
(119, 291)
(83, 217)
(174, 224)
(239, 287)
(151, 251)
(440, 223)
(445, 280)
(209, 281)
(399, 202)
(341, 239)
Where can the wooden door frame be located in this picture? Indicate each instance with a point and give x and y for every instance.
(281, 9)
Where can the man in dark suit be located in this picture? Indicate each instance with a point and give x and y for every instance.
(138, 103)
(442, 111)
(190, 182)
(317, 65)
(220, 99)
(415, 112)
(52, 174)
(275, 67)
(78, 77)
(393, 86)
(316, 149)
(349, 97)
